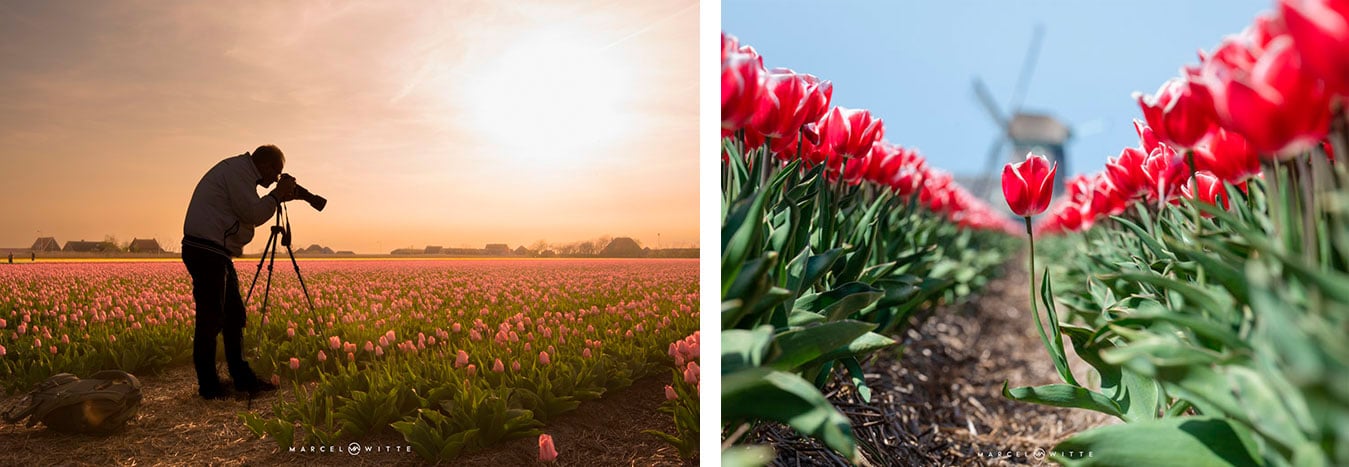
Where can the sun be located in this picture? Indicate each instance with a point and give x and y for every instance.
(554, 93)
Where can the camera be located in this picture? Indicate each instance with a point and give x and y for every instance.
(315, 201)
(318, 202)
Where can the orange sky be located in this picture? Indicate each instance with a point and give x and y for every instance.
(444, 123)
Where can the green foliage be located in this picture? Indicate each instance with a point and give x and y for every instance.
(1221, 342)
(815, 274)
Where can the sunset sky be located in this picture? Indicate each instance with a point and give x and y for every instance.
(444, 123)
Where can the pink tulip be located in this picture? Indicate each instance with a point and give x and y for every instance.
(497, 367)
(322, 357)
(461, 359)
(515, 366)
(294, 363)
(691, 373)
(543, 358)
(670, 393)
(472, 370)
(335, 342)
(547, 453)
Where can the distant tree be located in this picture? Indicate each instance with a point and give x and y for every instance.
(538, 247)
(585, 249)
(113, 244)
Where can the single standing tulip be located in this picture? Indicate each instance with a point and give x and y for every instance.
(1028, 185)
(547, 453)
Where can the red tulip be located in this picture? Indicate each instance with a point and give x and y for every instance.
(1210, 190)
(1320, 32)
(779, 113)
(1275, 103)
(741, 87)
(1227, 156)
(1028, 185)
(1147, 139)
(1126, 171)
(1181, 112)
(849, 133)
(547, 453)
(1165, 173)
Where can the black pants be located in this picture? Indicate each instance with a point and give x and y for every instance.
(215, 288)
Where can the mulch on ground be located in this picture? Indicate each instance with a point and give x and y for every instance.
(177, 427)
(938, 400)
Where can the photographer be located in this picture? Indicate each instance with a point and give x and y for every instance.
(224, 210)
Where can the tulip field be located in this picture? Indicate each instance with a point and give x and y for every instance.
(833, 240)
(451, 356)
(1202, 277)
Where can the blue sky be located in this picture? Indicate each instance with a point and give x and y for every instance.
(912, 63)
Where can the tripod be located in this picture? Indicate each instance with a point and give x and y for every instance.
(281, 234)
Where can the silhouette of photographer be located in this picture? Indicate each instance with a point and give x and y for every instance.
(224, 210)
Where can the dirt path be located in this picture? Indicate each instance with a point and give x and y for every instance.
(177, 427)
(940, 403)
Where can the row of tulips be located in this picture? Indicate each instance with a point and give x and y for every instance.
(832, 239)
(453, 355)
(681, 396)
(1206, 269)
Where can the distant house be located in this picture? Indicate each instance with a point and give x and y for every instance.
(89, 247)
(406, 251)
(622, 247)
(434, 249)
(497, 249)
(46, 244)
(144, 245)
(316, 249)
(522, 251)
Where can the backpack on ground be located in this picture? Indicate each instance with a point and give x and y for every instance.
(66, 403)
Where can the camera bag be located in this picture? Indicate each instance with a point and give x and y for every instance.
(101, 404)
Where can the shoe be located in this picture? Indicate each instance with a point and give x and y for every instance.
(217, 394)
(258, 386)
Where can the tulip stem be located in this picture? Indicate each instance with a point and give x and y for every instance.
(1034, 310)
(1194, 195)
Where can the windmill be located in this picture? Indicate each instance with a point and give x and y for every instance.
(1025, 131)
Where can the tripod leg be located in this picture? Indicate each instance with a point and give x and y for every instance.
(267, 291)
(317, 320)
(265, 247)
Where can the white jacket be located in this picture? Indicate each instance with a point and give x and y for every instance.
(225, 206)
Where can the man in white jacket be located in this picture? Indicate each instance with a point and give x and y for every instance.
(224, 210)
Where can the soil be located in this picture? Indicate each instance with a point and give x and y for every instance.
(938, 399)
(175, 426)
